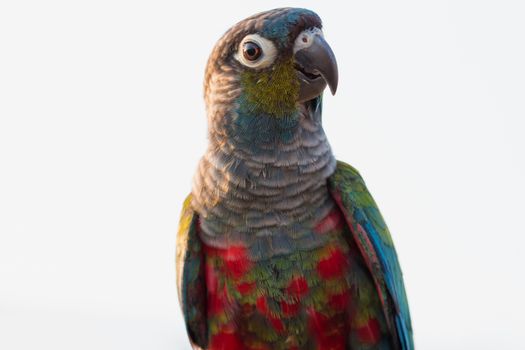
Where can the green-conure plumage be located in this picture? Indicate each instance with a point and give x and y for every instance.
(280, 246)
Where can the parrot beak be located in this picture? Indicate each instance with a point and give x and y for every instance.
(316, 67)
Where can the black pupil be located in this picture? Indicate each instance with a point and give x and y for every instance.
(252, 51)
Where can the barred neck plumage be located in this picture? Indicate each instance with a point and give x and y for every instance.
(263, 178)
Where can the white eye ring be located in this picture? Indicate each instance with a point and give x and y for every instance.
(269, 52)
(306, 38)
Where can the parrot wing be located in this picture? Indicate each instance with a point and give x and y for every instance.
(191, 283)
(371, 234)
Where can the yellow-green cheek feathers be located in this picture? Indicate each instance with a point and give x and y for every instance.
(274, 91)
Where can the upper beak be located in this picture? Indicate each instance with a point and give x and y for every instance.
(316, 66)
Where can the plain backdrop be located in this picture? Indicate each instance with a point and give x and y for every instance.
(102, 124)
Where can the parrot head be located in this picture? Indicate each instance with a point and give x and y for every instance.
(270, 63)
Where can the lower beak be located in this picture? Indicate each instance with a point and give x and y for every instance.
(316, 67)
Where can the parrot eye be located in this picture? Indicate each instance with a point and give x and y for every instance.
(256, 52)
(251, 51)
(305, 38)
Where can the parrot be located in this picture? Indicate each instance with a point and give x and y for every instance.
(281, 246)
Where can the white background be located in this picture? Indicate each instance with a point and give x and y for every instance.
(102, 124)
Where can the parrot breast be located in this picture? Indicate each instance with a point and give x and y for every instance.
(307, 299)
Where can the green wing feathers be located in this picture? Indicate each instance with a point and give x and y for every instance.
(190, 275)
(375, 243)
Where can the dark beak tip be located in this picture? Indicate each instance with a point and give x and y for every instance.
(332, 81)
(333, 88)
